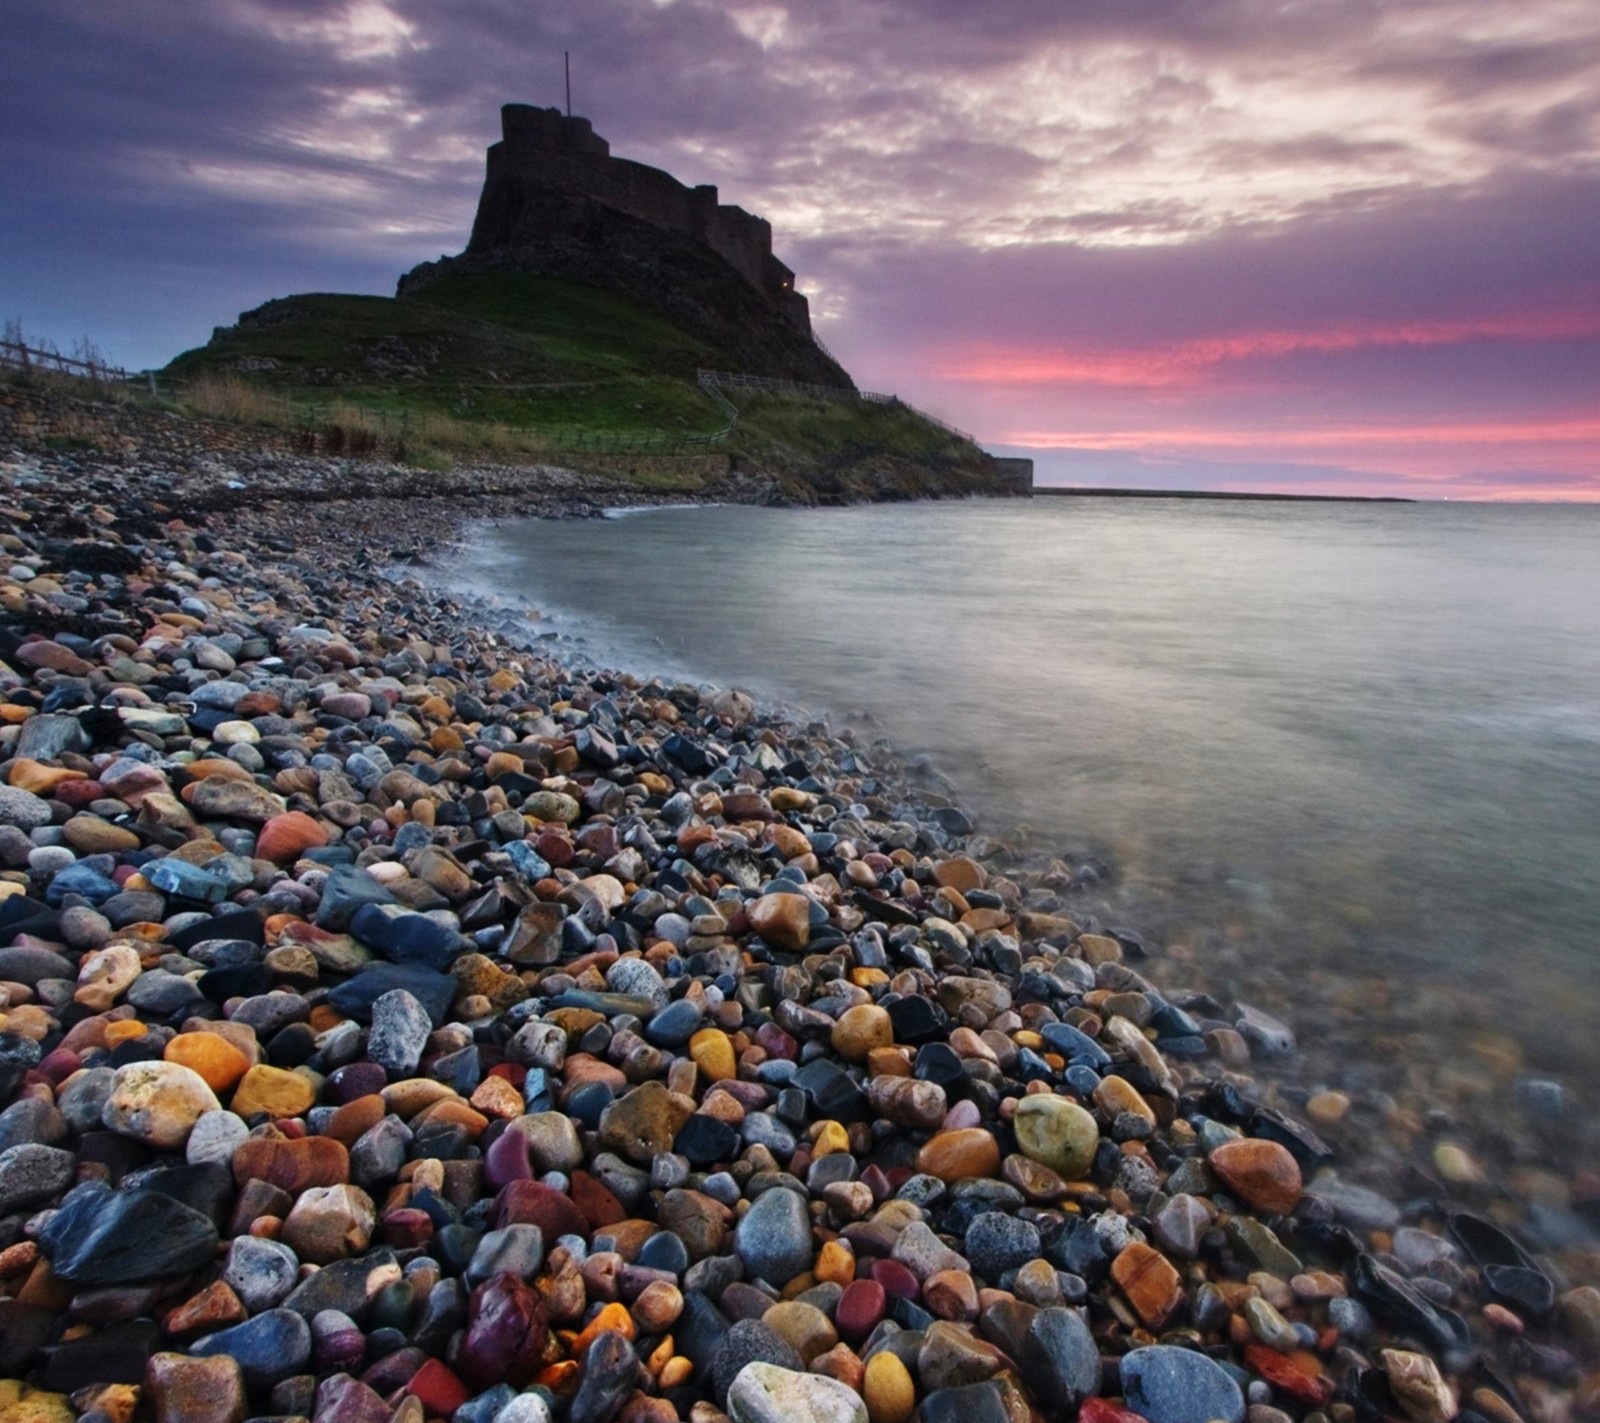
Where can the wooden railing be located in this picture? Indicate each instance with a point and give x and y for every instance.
(33, 358)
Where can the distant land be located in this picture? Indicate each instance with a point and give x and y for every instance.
(1074, 489)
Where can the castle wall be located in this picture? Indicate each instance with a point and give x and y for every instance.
(544, 148)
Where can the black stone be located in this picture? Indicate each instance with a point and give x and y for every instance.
(1079, 1049)
(1078, 1251)
(24, 1330)
(1394, 1300)
(435, 991)
(700, 1330)
(116, 1354)
(18, 1056)
(206, 1187)
(345, 891)
(105, 1237)
(971, 1403)
(235, 981)
(705, 1139)
(749, 1342)
(341, 1286)
(408, 938)
(664, 1251)
(939, 1063)
(232, 924)
(610, 1374)
(1063, 1359)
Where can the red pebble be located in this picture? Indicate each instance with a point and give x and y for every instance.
(407, 1227)
(595, 1199)
(1097, 1410)
(876, 1182)
(59, 1065)
(1285, 1375)
(440, 1391)
(513, 1072)
(534, 1203)
(896, 1279)
(555, 847)
(777, 1042)
(860, 1308)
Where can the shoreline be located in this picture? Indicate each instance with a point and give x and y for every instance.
(1019, 1011)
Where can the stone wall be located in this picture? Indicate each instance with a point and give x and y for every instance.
(1015, 474)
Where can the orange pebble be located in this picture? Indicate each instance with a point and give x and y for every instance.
(217, 1060)
(611, 1317)
(677, 1372)
(835, 1264)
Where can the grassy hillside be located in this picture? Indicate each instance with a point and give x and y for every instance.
(530, 366)
(523, 351)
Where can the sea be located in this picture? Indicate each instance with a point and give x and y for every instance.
(1342, 758)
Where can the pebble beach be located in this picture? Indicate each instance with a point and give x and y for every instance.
(401, 1020)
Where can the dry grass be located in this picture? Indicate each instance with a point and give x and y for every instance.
(346, 428)
(230, 398)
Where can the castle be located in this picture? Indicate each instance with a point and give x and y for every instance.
(556, 202)
(544, 148)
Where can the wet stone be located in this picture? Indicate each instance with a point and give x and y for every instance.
(774, 1238)
(1168, 1385)
(272, 1346)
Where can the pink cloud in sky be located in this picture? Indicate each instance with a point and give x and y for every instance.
(1202, 362)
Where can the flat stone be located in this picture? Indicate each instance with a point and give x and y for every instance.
(272, 1346)
(1146, 1277)
(31, 1174)
(1169, 1385)
(104, 1237)
(767, 1393)
(1062, 1358)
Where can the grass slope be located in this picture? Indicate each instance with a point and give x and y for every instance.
(547, 359)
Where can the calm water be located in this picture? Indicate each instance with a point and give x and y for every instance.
(1346, 742)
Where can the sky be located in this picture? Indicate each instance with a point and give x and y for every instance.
(1319, 246)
